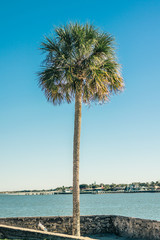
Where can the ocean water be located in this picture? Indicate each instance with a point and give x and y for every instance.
(140, 205)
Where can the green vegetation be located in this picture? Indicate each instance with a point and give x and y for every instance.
(146, 186)
(132, 187)
(135, 186)
(138, 186)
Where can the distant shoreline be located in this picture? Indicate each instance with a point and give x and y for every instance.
(57, 193)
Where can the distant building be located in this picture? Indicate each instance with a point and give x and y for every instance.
(157, 188)
(119, 188)
(87, 190)
(67, 190)
(143, 188)
(132, 188)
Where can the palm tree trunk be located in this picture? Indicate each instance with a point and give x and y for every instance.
(76, 153)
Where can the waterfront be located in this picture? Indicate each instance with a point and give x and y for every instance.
(144, 205)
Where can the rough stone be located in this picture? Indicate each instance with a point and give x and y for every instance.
(90, 225)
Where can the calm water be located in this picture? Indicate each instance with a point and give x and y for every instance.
(141, 205)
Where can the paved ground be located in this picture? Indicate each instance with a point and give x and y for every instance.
(105, 237)
(109, 237)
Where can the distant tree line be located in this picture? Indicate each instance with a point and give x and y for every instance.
(111, 187)
(105, 187)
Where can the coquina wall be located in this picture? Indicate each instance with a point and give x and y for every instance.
(90, 225)
(11, 232)
(136, 228)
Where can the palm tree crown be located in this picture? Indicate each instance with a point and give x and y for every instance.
(79, 58)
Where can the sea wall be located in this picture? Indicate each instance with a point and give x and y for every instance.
(29, 234)
(136, 228)
(90, 225)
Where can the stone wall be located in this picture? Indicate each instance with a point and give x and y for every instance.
(90, 225)
(22, 233)
(136, 228)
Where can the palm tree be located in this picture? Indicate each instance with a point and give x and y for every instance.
(80, 65)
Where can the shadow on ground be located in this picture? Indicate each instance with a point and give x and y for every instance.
(108, 236)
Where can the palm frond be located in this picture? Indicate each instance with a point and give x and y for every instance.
(79, 55)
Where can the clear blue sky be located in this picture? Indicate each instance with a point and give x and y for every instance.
(120, 141)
